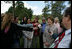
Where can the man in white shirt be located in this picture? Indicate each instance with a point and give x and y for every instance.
(64, 40)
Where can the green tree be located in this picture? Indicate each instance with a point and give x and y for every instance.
(10, 10)
(57, 7)
(20, 10)
(30, 13)
(13, 4)
(46, 9)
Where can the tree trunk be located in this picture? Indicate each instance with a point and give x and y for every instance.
(14, 8)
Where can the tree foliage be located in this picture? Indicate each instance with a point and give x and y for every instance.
(46, 9)
(55, 7)
(20, 10)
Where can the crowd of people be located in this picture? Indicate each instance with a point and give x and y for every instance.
(50, 34)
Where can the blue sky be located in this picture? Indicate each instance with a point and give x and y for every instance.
(36, 6)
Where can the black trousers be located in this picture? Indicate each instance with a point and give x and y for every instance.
(41, 40)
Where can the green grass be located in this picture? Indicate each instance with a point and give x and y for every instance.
(21, 42)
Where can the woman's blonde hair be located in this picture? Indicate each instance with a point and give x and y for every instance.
(56, 18)
(6, 20)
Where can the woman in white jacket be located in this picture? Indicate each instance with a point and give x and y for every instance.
(28, 35)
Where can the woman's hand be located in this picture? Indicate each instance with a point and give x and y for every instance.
(35, 28)
(51, 33)
(46, 44)
(29, 38)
